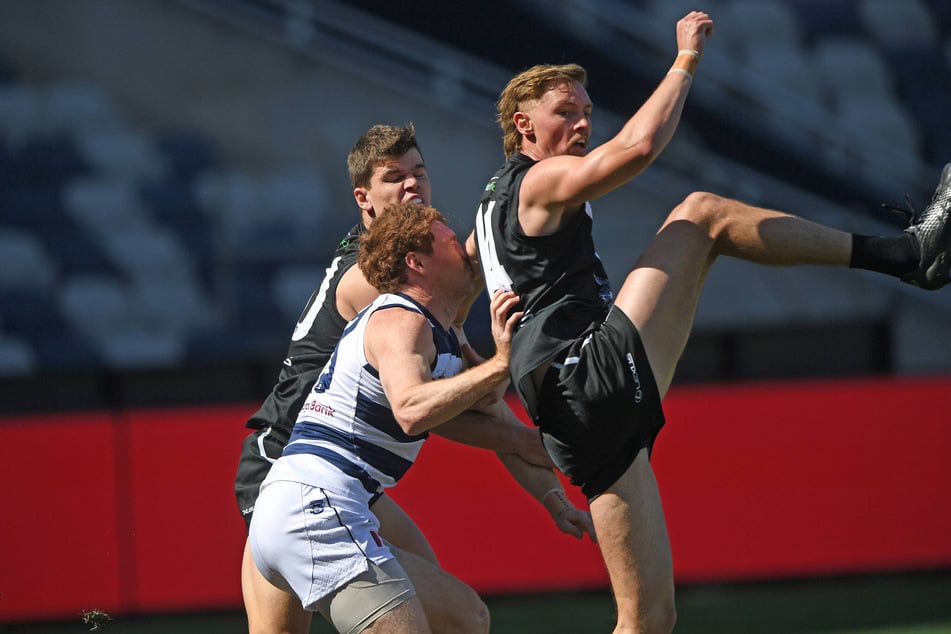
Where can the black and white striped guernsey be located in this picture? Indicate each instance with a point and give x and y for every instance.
(559, 277)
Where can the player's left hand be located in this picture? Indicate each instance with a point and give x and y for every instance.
(576, 523)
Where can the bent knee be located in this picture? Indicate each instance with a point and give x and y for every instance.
(483, 620)
(476, 619)
(466, 614)
(700, 207)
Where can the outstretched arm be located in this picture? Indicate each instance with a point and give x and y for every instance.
(519, 448)
(541, 482)
(521, 452)
(500, 432)
(544, 486)
(562, 183)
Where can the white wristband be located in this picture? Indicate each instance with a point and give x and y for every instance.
(680, 70)
(550, 491)
(689, 51)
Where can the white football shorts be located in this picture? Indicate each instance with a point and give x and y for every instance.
(312, 541)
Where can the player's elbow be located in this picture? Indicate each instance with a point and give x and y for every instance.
(647, 149)
(411, 420)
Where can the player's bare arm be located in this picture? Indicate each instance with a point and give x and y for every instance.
(496, 428)
(521, 452)
(399, 344)
(569, 174)
(354, 293)
(544, 486)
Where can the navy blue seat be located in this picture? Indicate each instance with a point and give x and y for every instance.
(42, 161)
(819, 18)
(185, 152)
(36, 317)
(172, 203)
(923, 82)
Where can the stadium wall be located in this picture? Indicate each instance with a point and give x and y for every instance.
(133, 512)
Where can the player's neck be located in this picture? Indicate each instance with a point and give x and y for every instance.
(443, 308)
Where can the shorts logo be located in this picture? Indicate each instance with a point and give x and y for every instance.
(316, 507)
(638, 392)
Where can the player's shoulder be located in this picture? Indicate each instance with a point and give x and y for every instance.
(350, 243)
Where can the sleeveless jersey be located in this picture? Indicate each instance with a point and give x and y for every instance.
(347, 421)
(315, 336)
(560, 279)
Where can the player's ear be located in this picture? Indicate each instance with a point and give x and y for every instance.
(363, 201)
(523, 123)
(413, 261)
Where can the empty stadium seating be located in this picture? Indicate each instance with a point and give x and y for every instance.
(133, 244)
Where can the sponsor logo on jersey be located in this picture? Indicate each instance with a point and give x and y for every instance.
(318, 408)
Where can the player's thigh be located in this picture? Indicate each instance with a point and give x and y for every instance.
(270, 610)
(399, 529)
(632, 535)
(406, 618)
(450, 605)
(660, 295)
(370, 597)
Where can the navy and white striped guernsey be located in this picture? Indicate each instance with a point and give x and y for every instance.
(347, 421)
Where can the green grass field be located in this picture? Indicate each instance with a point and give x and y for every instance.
(894, 604)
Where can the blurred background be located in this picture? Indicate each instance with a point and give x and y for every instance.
(173, 181)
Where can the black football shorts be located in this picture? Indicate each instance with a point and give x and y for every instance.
(258, 452)
(599, 405)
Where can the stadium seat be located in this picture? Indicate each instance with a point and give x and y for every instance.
(172, 204)
(71, 106)
(17, 357)
(759, 26)
(177, 304)
(899, 23)
(850, 68)
(30, 206)
(185, 153)
(103, 204)
(134, 348)
(923, 82)
(19, 113)
(788, 69)
(104, 310)
(821, 18)
(30, 313)
(120, 152)
(878, 137)
(96, 304)
(24, 261)
(43, 161)
(146, 250)
(35, 316)
(292, 286)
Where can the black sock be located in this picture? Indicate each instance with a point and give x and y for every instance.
(896, 255)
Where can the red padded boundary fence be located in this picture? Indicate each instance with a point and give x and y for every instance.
(133, 512)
